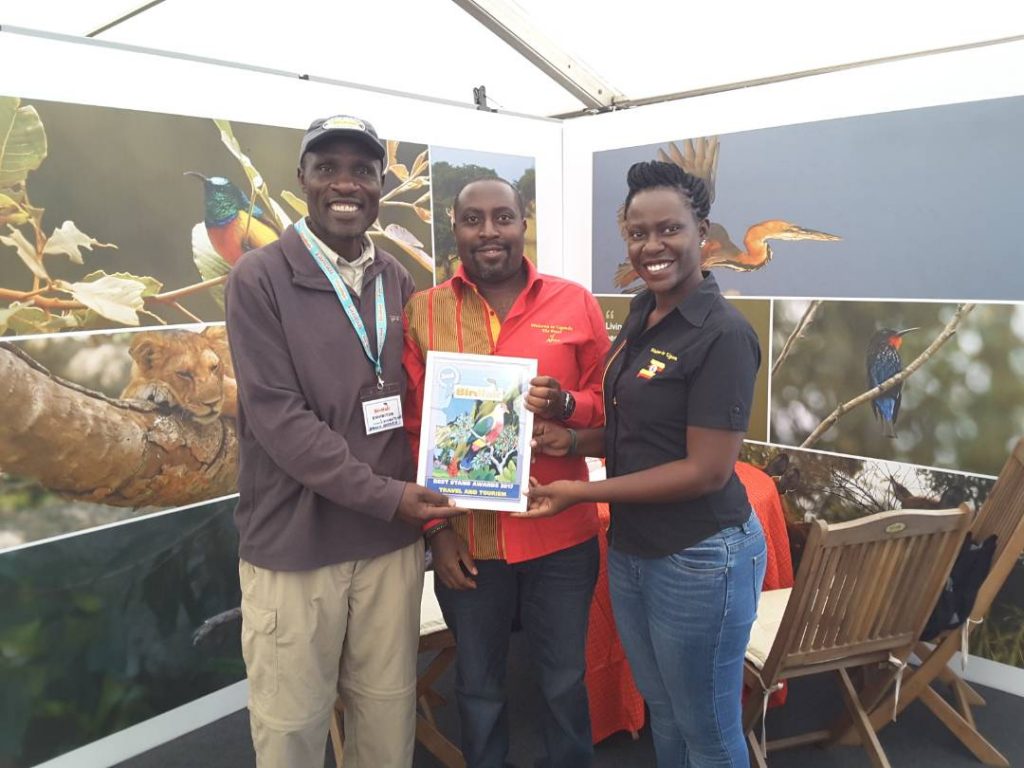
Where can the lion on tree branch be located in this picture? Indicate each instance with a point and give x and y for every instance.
(174, 445)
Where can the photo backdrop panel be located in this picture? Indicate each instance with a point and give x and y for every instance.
(758, 314)
(151, 212)
(616, 310)
(116, 218)
(99, 631)
(815, 484)
(103, 427)
(962, 408)
(840, 488)
(858, 207)
(451, 169)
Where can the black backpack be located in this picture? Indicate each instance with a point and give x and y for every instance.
(956, 600)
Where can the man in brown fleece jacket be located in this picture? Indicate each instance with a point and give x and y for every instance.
(331, 559)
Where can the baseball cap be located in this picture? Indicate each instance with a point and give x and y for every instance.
(342, 125)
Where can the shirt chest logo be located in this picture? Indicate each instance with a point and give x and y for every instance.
(552, 332)
(652, 369)
(656, 365)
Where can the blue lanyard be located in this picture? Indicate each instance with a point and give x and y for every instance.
(380, 309)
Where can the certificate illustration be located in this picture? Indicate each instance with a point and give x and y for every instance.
(475, 435)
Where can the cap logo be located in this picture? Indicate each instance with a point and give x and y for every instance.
(349, 123)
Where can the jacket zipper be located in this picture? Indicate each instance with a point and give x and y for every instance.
(607, 367)
(615, 399)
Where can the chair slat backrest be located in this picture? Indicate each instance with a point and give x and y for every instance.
(865, 589)
(1002, 514)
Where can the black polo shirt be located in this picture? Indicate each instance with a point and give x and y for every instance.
(695, 367)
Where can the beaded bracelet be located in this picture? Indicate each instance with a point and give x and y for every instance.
(435, 529)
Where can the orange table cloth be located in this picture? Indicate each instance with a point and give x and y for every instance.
(764, 498)
(615, 702)
(778, 572)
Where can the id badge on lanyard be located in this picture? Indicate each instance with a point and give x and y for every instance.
(382, 408)
(382, 405)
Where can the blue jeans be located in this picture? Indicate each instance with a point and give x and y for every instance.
(551, 595)
(685, 621)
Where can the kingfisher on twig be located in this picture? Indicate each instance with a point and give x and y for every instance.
(233, 222)
(884, 362)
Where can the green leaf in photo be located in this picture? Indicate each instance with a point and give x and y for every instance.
(409, 243)
(26, 252)
(227, 136)
(209, 263)
(22, 142)
(22, 319)
(295, 202)
(116, 298)
(11, 212)
(153, 286)
(68, 239)
(508, 474)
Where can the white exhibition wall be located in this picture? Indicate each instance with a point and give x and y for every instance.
(974, 75)
(97, 75)
(92, 74)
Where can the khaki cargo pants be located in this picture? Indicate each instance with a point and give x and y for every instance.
(306, 634)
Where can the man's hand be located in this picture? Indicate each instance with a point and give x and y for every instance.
(544, 397)
(550, 438)
(419, 504)
(549, 500)
(452, 562)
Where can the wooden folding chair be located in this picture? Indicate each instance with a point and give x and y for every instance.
(435, 638)
(1002, 514)
(861, 597)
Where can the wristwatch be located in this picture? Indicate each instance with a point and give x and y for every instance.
(568, 406)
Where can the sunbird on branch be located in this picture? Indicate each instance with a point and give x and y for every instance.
(233, 222)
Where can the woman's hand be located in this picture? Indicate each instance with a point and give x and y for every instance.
(544, 397)
(452, 562)
(549, 500)
(550, 438)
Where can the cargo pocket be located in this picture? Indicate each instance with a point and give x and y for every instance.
(259, 649)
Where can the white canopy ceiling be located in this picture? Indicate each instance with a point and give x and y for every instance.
(642, 49)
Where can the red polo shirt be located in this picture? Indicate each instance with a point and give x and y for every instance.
(559, 323)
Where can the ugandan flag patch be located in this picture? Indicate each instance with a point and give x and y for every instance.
(653, 369)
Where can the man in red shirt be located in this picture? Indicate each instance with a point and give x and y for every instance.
(490, 567)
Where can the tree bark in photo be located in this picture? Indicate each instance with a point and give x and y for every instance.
(84, 445)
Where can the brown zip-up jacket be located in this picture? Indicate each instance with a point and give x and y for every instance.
(314, 489)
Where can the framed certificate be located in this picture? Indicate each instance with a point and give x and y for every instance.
(476, 431)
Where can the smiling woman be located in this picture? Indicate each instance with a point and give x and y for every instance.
(666, 222)
(687, 557)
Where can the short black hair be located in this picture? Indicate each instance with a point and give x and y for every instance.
(655, 174)
(515, 193)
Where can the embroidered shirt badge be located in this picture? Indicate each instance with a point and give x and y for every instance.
(653, 369)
